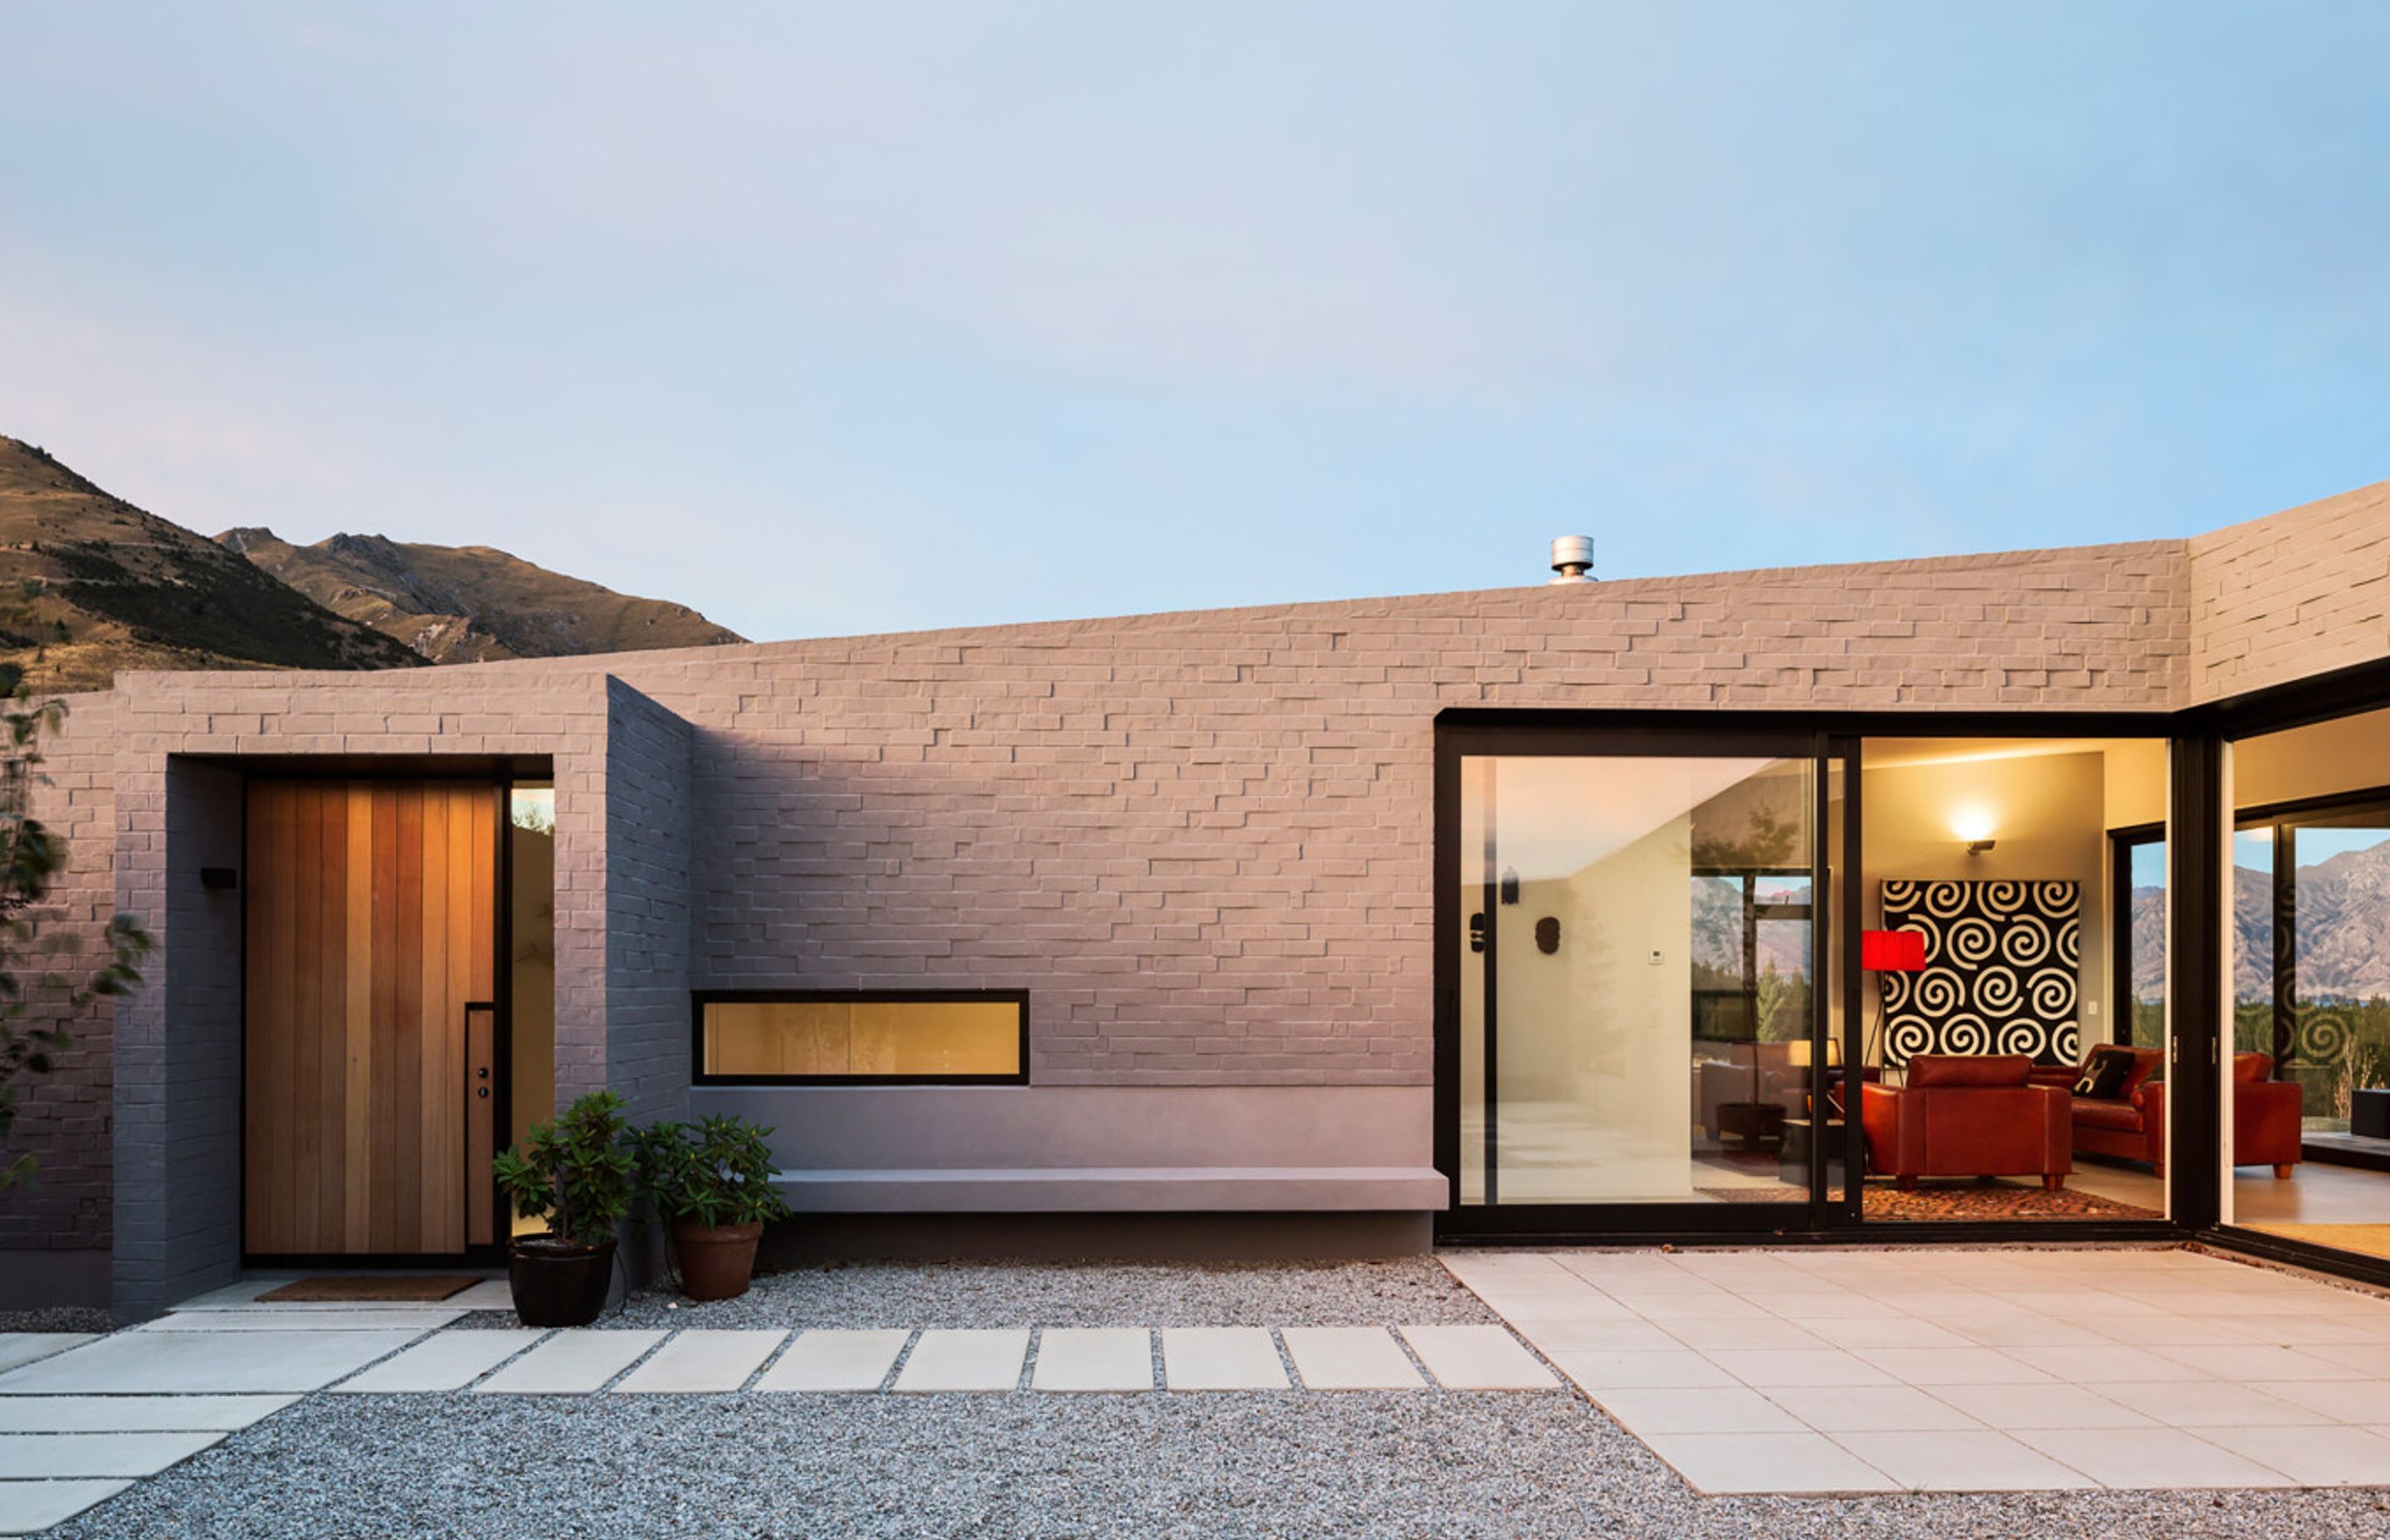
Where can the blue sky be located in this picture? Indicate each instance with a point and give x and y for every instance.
(879, 316)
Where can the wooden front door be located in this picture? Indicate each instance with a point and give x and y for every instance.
(371, 1100)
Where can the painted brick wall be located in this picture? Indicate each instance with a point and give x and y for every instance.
(1204, 841)
(2292, 594)
(64, 1119)
(647, 896)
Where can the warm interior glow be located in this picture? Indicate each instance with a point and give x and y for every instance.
(1972, 823)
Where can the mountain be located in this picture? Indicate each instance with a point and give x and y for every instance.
(90, 584)
(470, 604)
(2344, 929)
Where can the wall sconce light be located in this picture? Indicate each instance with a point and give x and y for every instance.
(1509, 884)
(1974, 825)
(219, 878)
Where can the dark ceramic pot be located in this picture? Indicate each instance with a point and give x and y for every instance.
(715, 1261)
(559, 1282)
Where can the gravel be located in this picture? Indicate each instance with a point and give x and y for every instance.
(1517, 1466)
(63, 1318)
(1397, 1291)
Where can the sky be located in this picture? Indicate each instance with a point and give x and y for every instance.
(835, 320)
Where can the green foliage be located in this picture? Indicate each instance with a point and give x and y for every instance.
(31, 859)
(576, 1172)
(718, 1172)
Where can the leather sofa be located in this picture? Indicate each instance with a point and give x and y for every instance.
(2131, 1125)
(1968, 1115)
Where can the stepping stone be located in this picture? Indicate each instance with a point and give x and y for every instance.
(1477, 1358)
(701, 1361)
(213, 1363)
(1103, 1358)
(135, 1413)
(570, 1363)
(1221, 1358)
(286, 1317)
(1350, 1358)
(27, 1457)
(974, 1360)
(447, 1362)
(835, 1361)
(23, 1347)
(28, 1507)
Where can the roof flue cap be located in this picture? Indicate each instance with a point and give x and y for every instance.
(1572, 559)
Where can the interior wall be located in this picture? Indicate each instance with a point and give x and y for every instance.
(2048, 819)
(1604, 1021)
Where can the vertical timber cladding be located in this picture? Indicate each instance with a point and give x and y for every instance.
(370, 926)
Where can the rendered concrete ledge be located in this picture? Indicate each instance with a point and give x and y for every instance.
(1083, 1189)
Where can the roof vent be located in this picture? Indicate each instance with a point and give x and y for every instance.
(1573, 559)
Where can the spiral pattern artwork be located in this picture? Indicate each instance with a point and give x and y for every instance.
(2000, 970)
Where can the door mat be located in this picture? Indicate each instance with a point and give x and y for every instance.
(382, 1289)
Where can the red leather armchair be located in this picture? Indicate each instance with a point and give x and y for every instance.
(2131, 1126)
(1968, 1115)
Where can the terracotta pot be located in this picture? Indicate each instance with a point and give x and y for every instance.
(559, 1282)
(715, 1261)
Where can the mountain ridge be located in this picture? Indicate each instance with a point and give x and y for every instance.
(92, 586)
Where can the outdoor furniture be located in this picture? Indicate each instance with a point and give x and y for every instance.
(1967, 1115)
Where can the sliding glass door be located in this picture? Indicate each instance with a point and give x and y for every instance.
(1639, 1029)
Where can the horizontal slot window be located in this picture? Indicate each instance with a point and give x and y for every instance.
(928, 1037)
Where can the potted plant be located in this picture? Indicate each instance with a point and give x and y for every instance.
(576, 1173)
(711, 1185)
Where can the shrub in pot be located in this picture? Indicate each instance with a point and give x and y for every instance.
(576, 1173)
(711, 1184)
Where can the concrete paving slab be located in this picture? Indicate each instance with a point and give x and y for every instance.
(135, 1413)
(30, 1457)
(700, 1362)
(449, 1361)
(206, 1363)
(1221, 1358)
(570, 1363)
(28, 1507)
(1094, 1358)
(1477, 1358)
(488, 1294)
(24, 1347)
(965, 1360)
(282, 1317)
(1350, 1358)
(835, 1361)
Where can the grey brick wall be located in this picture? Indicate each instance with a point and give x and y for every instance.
(2294, 595)
(178, 1065)
(647, 863)
(65, 1118)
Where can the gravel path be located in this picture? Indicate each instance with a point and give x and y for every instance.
(62, 1318)
(1399, 1291)
(1515, 1465)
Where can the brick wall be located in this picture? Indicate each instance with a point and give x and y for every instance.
(64, 1118)
(1204, 841)
(646, 897)
(2292, 594)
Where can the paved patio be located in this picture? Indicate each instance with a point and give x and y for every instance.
(1935, 1370)
(1856, 1375)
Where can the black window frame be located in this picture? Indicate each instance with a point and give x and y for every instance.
(701, 998)
(2122, 843)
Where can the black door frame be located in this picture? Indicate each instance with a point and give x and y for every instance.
(1830, 737)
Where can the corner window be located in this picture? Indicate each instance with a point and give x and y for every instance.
(847, 1038)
